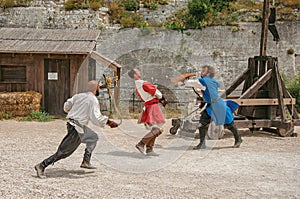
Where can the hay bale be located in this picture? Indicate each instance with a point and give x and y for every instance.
(20, 103)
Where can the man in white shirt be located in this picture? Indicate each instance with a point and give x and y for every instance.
(81, 108)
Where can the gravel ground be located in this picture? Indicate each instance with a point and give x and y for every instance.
(265, 166)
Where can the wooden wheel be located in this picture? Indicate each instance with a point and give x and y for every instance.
(215, 132)
(285, 132)
(173, 130)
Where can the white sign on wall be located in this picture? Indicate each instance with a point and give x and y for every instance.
(52, 76)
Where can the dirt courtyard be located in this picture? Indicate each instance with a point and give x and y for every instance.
(265, 166)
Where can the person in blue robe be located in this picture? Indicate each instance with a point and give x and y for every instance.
(217, 110)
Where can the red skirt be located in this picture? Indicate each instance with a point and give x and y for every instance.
(152, 115)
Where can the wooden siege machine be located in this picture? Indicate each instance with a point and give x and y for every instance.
(265, 102)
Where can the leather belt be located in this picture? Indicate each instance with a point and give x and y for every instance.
(75, 122)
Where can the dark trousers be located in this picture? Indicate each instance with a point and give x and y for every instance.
(205, 120)
(67, 146)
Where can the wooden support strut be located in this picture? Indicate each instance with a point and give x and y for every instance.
(236, 83)
(258, 84)
(280, 93)
(263, 102)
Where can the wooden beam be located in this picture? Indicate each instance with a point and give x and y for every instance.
(259, 83)
(252, 123)
(104, 60)
(252, 77)
(264, 29)
(117, 86)
(262, 102)
(279, 92)
(237, 82)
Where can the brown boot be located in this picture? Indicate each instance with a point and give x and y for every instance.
(40, 170)
(86, 162)
(149, 146)
(237, 138)
(202, 133)
(148, 138)
(87, 165)
(140, 146)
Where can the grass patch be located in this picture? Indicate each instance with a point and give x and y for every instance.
(173, 113)
(290, 3)
(5, 116)
(37, 116)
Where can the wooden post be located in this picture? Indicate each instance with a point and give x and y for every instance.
(280, 93)
(250, 79)
(264, 30)
(264, 38)
(117, 78)
(271, 84)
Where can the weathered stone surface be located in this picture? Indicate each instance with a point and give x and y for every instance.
(160, 54)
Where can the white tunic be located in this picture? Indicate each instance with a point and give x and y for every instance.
(145, 95)
(84, 107)
(194, 83)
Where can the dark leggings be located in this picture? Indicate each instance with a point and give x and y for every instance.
(67, 146)
(205, 119)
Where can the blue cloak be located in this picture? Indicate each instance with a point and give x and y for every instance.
(219, 110)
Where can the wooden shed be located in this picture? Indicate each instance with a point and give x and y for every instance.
(46, 61)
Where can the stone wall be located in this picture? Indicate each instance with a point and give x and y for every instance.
(161, 54)
(51, 14)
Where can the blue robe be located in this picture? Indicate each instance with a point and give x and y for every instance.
(219, 110)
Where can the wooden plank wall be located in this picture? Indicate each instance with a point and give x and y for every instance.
(35, 70)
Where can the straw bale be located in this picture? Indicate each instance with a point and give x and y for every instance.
(20, 103)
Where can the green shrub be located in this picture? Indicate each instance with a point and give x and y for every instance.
(199, 8)
(219, 5)
(95, 4)
(5, 116)
(38, 116)
(153, 6)
(294, 89)
(163, 2)
(116, 12)
(290, 3)
(175, 23)
(132, 20)
(182, 20)
(85, 5)
(73, 4)
(24, 3)
(131, 5)
(127, 19)
(7, 3)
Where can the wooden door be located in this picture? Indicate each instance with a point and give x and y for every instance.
(57, 85)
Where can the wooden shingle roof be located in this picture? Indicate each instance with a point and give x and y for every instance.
(20, 40)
